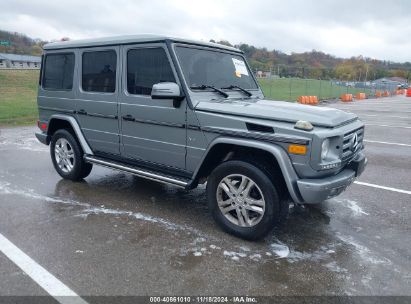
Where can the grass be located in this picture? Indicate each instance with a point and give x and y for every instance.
(290, 88)
(18, 91)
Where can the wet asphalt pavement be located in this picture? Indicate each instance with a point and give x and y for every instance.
(115, 234)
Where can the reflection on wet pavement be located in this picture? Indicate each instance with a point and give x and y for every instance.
(333, 244)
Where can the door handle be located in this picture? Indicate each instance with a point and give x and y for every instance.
(82, 112)
(128, 118)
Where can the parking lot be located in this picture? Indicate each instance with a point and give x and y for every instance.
(115, 234)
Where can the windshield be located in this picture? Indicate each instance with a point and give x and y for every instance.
(214, 68)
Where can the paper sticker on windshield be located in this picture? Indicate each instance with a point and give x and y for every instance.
(240, 67)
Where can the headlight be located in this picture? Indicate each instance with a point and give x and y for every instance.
(325, 148)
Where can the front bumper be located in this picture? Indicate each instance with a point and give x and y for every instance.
(317, 190)
(43, 138)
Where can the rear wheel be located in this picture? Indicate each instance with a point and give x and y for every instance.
(67, 156)
(244, 200)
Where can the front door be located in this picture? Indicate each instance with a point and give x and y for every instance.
(153, 131)
(96, 103)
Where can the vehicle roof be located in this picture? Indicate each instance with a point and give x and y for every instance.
(129, 39)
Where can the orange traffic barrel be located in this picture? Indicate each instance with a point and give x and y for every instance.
(307, 99)
(386, 94)
(313, 99)
(378, 94)
(360, 96)
(409, 92)
(346, 97)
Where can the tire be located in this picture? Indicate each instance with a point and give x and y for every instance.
(255, 211)
(86, 170)
(67, 158)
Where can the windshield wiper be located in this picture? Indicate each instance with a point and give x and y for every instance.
(204, 87)
(248, 93)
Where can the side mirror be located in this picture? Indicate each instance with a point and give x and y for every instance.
(167, 90)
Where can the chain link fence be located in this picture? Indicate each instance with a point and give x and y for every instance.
(291, 88)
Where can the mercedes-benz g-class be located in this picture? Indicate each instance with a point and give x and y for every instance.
(185, 113)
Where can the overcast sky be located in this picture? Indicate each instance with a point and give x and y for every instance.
(377, 29)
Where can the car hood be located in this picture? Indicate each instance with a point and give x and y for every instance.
(278, 111)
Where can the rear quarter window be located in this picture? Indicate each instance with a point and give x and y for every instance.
(58, 72)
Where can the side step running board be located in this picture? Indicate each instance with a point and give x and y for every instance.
(151, 175)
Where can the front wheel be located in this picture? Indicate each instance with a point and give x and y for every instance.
(244, 200)
(67, 156)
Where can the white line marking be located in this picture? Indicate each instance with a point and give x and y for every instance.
(369, 107)
(369, 110)
(385, 104)
(387, 143)
(383, 121)
(383, 187)
(38, 274)
(384, 116)
(388, 126)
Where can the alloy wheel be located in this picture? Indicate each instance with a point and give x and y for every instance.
(64, 155)
(240, 200)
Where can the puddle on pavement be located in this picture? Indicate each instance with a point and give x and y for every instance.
(309, 237)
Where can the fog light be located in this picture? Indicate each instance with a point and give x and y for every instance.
(42, 125)
(334, 192)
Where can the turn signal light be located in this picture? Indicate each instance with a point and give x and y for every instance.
(297, 149)
(303, 125)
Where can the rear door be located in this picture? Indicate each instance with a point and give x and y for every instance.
(56, 93)
(97, 105)
(153, 131)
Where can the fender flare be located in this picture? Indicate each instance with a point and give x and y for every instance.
(284, 162)
(77, 130)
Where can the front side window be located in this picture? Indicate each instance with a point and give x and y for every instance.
(146, 67)
(214, 68)
(99, 71)
(58, 72)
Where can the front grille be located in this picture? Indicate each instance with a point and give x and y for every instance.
(348, 142)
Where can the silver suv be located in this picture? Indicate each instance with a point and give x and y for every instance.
(186, 113)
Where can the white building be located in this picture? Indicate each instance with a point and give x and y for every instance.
(14, 61)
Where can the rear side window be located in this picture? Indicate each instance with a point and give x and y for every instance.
(58, 72)
(99, 71)
(146, 67)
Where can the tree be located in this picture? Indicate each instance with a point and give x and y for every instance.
(36, 50)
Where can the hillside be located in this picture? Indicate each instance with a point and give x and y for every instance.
(318, 65)
(314, 64)
(17, 43)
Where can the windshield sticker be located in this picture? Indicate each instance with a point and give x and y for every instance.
(240, 67)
